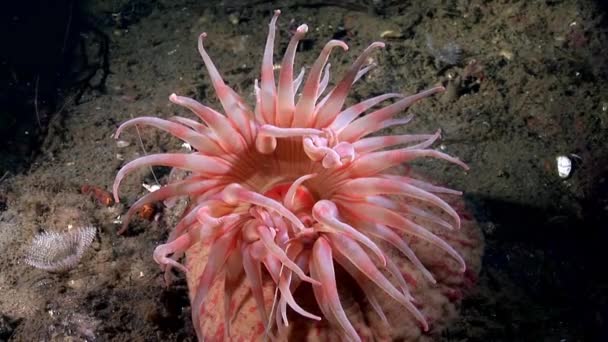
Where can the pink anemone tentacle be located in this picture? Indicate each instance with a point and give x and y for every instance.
(191, 162)
(327, 113)
(322, 268)
(232, 103)
(305, 106)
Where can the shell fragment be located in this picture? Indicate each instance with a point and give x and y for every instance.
(564, 166)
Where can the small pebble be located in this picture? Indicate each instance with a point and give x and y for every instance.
(75, 283)
(233, 18)
(508, 55)
(390, 34)
(122, 143)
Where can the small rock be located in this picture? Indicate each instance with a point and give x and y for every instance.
(122, 143)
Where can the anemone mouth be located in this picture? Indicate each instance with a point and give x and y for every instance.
(266, 173)
(260, 172)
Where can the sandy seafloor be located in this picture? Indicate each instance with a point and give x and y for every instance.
(539, 93)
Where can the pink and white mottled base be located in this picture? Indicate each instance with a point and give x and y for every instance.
(438, 302)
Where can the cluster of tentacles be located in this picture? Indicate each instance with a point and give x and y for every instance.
(285, 188)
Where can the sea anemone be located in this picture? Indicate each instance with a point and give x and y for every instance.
(291, 189)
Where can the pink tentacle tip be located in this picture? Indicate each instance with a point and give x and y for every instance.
(377, 44)
(233, 194)
(425, 325)
(463, 165)
(173, 98)
(302, 29)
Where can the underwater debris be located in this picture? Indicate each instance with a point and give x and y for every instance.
(59, 252)
(467, 82)
(449, 54)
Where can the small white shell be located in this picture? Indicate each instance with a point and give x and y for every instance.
(122, 143)
(564, 166)
(151, 188)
